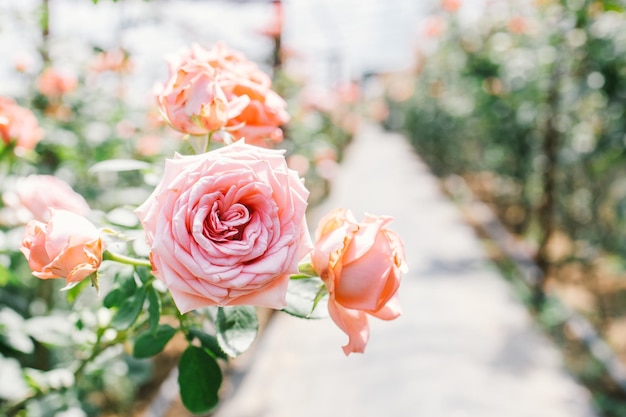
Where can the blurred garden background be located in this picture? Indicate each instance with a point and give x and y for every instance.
(518, 107)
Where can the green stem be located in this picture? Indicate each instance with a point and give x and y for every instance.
(123, 259)
(208, 142)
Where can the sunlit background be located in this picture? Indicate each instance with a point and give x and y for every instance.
(518, 108)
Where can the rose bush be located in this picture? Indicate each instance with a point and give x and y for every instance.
(226, 231)
(227, 227)
(68, 246)
(361, 265)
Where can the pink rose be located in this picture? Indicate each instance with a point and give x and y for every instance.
(361, 265)
(259, 111)
(266, 111)
(53, 83)
(18, 125)
(227, 227)
(193, 100)
(68, 246)
(116, 60)
(39, 193)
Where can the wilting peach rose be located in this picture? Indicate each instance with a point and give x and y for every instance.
(259, 120)
(53, 83)
(39, 193)
(68, 246)
(227, 227)
(193, 100)
(361, 265)
(18, 126)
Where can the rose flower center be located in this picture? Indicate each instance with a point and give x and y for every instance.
(226, 225)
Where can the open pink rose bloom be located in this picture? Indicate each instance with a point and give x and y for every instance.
(227, 227)
(361, 265)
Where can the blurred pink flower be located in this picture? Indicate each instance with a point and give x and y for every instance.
(148, 145)
(275, 26)
(451, 5)
(39, 193)
(517, 25)
(18, 126)
(349, 93)
(115, 60)
(54, 84)
(434, 26)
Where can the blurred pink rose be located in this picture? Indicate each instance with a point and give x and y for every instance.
(54, 84)
(239, 79)
(361, 265)
(116, 60)
(451, 5)
(39, 193)
(434, 26)
(68, 246)
(227, 227)
(193, 100)
(18, 126)
(274, 27)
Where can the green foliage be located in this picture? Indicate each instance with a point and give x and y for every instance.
(154, 308)
(304, 296)
(210, 343)
(236, 328)
(199, 379)
(149, 343)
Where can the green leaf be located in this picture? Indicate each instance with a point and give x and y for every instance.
(306, 269)
(306, 298)
(129, 310)
(154, 308)
(210, 343)
(114, 298)
(237, 327)
(143, 273)
(125, 287)
(150, 343)
(199, 380)
(4, 276)
(73, 292)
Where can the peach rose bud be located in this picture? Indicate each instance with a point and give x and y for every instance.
(361, 265)
(68, 246)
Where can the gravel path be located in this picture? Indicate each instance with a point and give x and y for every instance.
(464, 347)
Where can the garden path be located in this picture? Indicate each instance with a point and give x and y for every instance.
(463, 347)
